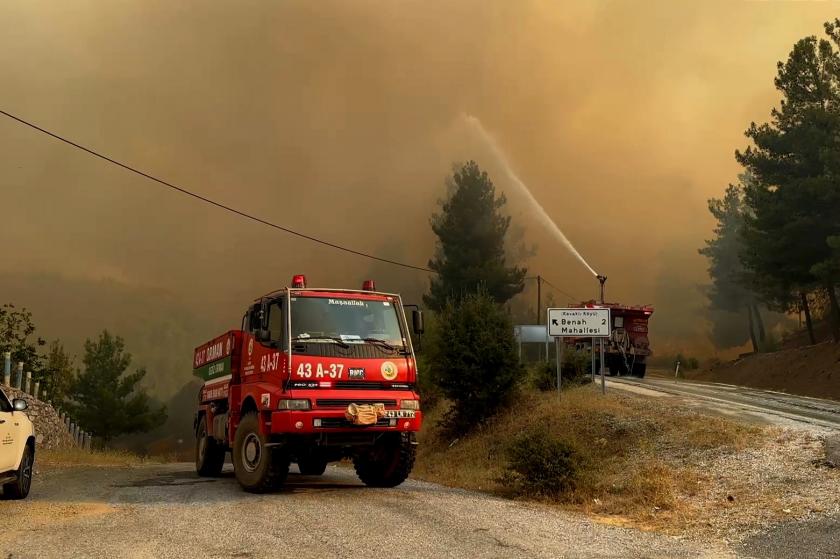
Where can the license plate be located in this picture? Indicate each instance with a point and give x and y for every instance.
(399, 414)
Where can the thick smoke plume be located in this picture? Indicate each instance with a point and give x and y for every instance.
(340, 119)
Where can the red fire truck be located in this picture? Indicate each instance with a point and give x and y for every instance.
(628, 347)
(312, 376)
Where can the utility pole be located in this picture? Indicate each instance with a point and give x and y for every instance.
(603, 280)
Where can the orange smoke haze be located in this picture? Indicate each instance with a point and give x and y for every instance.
(341, 119)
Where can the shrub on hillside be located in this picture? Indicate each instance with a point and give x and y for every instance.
(575, 371)
(473, 359)
(544, 376)
(541, 464)
(430, 394)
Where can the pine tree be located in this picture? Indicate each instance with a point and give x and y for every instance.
(105, 400)
(795, 200)
(728, 291)
(471, 230)
(58, 373)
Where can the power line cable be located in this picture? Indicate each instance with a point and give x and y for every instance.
(212, 202)
(231, 209)
(542, 278)
(567, 294)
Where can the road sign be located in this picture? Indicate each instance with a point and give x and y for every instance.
(584, 323)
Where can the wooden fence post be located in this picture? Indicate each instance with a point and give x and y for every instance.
(7, 368)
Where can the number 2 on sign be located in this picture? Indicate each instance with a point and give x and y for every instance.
(333, 370)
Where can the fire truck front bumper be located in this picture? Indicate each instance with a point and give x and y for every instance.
(333, 421)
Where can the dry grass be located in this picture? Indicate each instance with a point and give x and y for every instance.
(68, 457)
(638, 454)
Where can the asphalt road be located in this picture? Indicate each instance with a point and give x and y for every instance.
(745, 403)
(165, 511)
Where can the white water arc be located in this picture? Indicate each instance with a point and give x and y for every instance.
(474, 124)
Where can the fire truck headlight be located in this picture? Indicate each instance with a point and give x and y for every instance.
(410, 404)
(293, 405)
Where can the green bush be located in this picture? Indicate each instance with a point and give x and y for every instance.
(542, 465)
(430, 394)
(473, 359)
(686, 363)
(543, 375)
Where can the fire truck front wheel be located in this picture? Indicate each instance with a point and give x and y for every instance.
(209, 454)
(259, 468)
(387, 463)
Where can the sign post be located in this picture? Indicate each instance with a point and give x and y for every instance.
(558, 347)
(603, 376)
(586, 322)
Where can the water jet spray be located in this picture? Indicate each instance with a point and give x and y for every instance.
(474, 124)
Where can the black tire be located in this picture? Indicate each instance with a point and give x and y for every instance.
(258, 468)
(613, 370)
(639, 370)
(19, 488)
(312, 466)
(209, 454)
(387, 464)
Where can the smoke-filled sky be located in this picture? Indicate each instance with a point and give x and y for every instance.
(342, 119)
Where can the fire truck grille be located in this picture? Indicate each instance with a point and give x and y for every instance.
(359, 385)
(343, 403)
(354, 351)
(340, 422)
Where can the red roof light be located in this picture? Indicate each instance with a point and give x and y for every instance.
(369, 285)
(299, 281)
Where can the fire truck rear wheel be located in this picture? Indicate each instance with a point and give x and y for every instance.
(387, 464)
(639, 370)
(312, 466)
(259, 468)
(209, 454)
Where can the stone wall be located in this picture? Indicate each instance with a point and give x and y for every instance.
(50, 430)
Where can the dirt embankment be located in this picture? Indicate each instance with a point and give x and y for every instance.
(807, 371)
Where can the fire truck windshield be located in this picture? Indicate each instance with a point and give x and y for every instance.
(345, 320)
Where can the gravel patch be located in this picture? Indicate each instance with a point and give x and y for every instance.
(742, 493)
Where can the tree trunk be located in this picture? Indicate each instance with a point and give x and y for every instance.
(807, 310)
(835, 314)
(762, 334)
(752, 329)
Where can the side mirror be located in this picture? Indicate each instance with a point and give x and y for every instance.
(417, 321)
(264, 315)
(19, 404)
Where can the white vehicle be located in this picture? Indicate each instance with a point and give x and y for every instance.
(17, 448)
